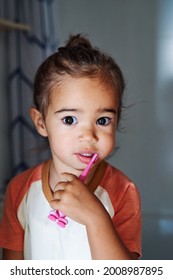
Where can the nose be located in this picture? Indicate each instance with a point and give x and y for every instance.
(88, 136)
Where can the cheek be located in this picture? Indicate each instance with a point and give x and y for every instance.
(64, 141)
(112, 143)
(107, 143)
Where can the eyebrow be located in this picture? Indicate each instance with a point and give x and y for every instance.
(102, 110)
(107, 110)
(66, 110)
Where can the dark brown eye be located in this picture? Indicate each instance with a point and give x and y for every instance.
(69, 120)
(103, 121)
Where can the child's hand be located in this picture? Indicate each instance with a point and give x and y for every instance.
(74, 199)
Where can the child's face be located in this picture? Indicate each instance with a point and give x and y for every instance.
(80, 121)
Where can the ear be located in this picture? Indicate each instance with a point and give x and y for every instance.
(38, 121)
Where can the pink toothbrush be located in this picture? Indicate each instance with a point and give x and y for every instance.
(57, 216)
(86, 170)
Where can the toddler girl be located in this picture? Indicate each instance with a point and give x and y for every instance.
(49, 212)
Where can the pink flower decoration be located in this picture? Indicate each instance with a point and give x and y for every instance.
(58, 217)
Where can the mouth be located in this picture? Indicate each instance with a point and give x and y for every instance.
(85, 157)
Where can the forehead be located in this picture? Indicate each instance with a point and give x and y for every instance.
(84, 90)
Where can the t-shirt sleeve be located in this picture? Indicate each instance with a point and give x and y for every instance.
(11, 232)
(127, 219)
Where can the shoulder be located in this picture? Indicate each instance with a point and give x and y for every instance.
(27, 177)
(19, 184)
(118, 184)
(113, 174)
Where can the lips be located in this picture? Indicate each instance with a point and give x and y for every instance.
(85, 157)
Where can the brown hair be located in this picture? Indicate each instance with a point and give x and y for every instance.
(78, 59)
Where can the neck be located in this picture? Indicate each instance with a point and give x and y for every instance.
(55, 172)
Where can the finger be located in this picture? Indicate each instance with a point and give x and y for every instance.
(68, 177)
(55, 204)
(58, 194)
(60, 186)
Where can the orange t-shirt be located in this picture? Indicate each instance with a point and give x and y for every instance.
(25, 226)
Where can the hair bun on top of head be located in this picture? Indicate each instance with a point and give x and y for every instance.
(78, 40)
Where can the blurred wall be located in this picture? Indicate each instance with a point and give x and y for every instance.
(139, 35)
(4, 136)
